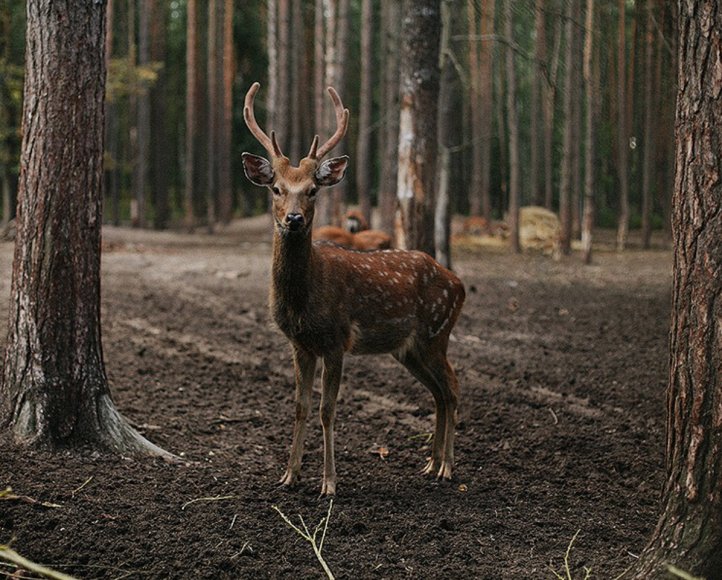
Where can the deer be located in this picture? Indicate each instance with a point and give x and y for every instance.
(329, 301)
(356, 235)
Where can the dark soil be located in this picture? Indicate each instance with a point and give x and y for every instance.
(562, 368)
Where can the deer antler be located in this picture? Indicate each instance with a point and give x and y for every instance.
(271, 145)
(341, 126)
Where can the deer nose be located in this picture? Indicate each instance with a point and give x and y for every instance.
(294, 221)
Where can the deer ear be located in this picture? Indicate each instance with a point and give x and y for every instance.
(257, 169)
(332, 171)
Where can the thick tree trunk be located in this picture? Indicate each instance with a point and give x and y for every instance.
(54, 389)
(421, 28)
(537, 195)
(363, 144)
(513, 122)
(391, 27)
(282, 121)
(549, 95)
(689, 532)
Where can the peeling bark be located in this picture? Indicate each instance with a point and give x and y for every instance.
(416, 181)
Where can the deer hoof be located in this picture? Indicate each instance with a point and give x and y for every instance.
(328, 487)
(445, 470)
(288, 479)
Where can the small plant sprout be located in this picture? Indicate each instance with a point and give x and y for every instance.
(311, 538)
(567, 570)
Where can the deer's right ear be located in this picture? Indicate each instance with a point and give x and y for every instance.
(257, 169)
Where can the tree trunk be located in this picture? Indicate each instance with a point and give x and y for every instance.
(576, 88)
(363, 146)
(225, 175)
(54, 389)
(191, 80)
(212, 140)
(319, 67)
(421, 28)
(689, 532)
(442, 218)
(282, 124)
(391, 27)
(537, 195)
(159, 134)
(273, 69)
(565, 178)
(476, 115)
(513, 122)
(622, 134)
(111, 125)
(647, 141)
(486, 102)
(590, 96)
(140, 175)
(549, 92)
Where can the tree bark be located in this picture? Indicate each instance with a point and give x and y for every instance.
(363, 144)
(513, 122)
(689, 532)
(565, 178)
(537, 195)
(647, 140)
(225, 176)
(140, 174)
(420, 34)
(159, 134)
(442, 218)
(486, 102)
(391, 27)
(622, 133)
(54, 389)
(476, 206)
(212, 110)
(190, 136)
(589, 151)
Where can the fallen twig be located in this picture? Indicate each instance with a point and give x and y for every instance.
(215, 498)
(311, 538)
(8, 495)
(13, 557)
(86, 482)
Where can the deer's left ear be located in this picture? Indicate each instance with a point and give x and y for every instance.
(330, 172)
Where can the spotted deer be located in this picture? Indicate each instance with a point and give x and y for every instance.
(329, 301)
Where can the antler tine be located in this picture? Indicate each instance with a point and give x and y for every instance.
(341, 124)
(314, 147)
(269, 144)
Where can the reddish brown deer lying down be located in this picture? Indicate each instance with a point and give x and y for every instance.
(364, 240)
(356, 236)
(330, 301)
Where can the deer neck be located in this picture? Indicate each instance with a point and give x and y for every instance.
(292, 272)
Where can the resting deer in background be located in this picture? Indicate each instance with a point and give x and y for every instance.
(356, 235)
(329, 301)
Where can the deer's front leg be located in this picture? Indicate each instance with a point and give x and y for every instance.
(332, 369)
(305, 367)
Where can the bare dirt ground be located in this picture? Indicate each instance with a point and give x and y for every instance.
(562, 369)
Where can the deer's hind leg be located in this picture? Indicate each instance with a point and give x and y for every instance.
(304, 364)
(434, 372)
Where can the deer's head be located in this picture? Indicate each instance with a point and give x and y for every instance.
(294, 188)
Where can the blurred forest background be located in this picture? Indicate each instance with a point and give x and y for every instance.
(178, 71)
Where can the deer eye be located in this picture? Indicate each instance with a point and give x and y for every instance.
(275, 190)
(312, 192)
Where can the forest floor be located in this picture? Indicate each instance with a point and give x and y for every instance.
(562, 367)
